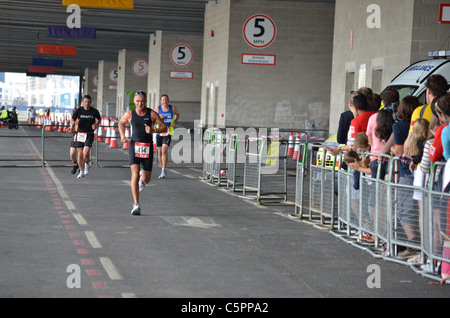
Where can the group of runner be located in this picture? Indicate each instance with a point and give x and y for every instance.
(144, 123)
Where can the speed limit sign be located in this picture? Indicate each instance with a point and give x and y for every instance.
(259, 31)
(181, 55)
(140, 68)
(113, 75)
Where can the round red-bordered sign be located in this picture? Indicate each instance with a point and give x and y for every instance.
(140, 68)
(259, 31)
(181, 55)
(113, 75)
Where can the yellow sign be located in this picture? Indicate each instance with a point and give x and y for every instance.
(113, 4)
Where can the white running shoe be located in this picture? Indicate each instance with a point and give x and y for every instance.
(141, 185)
(136, 210)
(86, 169)
(80, 175)
(162, 175)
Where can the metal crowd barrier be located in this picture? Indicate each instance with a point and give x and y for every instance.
(32, 145)
(234, 163)
(301, 185)
(436, 218)
(219, 143)
(208, 139)
(265, 169)
(365, 210)
(376, 211)
(322, 171)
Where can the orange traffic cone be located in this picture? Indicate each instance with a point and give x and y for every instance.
(113, 143)
(49, 124)
(108, 132)
(297, 147)
(60, 125)
(290, 151)
(100, 133)
(105, 123)
(126, 145)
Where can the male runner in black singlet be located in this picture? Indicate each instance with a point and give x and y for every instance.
(140, 152)
(88, 121)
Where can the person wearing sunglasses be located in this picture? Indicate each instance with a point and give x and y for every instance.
(142, 120)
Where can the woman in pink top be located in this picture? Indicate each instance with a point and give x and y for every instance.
(379, 129)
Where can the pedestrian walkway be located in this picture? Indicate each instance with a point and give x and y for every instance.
(193, 240)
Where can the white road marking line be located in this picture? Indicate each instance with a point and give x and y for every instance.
(93, 239)
(80, 219)
(109, 267)
(128, 295)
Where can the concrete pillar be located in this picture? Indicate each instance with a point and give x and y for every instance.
(175, 69)
(91, 85)
(367, 54)
(107, 87)
(132, 77)
(267, 64)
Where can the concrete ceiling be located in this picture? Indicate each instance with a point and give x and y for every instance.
(23, 25)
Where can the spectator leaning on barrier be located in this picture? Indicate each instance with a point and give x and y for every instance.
(367, 91)
(407, 209)
(359, 107)
(379, 130)
(436, 149)
(436, 87)
(344, 125)
(389, 101)
(346, 117)
(359, 164)
(443, 107)
(439, 205)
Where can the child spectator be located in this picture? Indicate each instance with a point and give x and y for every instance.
(353, 160)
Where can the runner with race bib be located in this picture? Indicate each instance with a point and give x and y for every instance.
(142, 120)
(170, 115)
(88, 120)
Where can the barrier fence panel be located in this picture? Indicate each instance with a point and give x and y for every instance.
(436, 222)
(398, 212)
(405, 220)
(322, 185)
(208, 138)
(235, 164)
(301, 195)
(218, 163)
(21, 147)
(265, 169)
(346, 216)
(273, 171)
(252, 166)
(379, 201)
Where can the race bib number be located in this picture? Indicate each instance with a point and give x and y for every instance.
(142, 150)
(81, 137)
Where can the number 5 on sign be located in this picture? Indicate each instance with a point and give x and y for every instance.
(259, 31)
(181, 55)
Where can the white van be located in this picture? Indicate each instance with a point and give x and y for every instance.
(412, 80)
